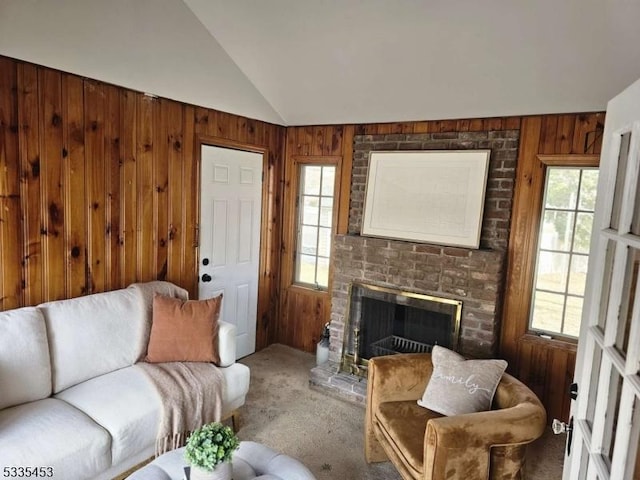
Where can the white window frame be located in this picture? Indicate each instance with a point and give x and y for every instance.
(575, 211)
(555, 161)
(299, 194)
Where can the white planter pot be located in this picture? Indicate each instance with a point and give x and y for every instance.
(221, 472)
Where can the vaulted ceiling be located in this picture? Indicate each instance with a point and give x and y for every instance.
(298, 62)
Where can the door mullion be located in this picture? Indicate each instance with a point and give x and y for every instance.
(584, 382)
(581, 436)
(632, 366)
(602, 401)
(623, 433)
(631, 181)
(598, 469)
(615, 293)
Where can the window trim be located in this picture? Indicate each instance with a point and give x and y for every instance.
(292, 211)
(298, 224)
(556, 161)
(544, 161)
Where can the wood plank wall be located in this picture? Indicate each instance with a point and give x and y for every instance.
(99, 188)
(304, 311)
(97, 191)
(546, 366)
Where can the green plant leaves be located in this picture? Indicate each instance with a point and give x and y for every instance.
(211, 445)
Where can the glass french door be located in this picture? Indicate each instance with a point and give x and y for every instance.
(606, 413)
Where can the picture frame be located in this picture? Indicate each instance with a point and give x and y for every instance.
(434, 196)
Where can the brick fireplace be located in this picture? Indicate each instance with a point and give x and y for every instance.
(474, 277)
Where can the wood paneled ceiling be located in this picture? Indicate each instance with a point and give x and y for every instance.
(298, 62)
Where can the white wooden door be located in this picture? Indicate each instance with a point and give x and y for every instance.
(230, 217)
(606, 414)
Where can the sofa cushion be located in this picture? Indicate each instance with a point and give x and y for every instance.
(52, 433)
(458, 386)
(184, 330)
(92, 335)
(404, 424)
(97, 334)
(25, 368)
(125, 403)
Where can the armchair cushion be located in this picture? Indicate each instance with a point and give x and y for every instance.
(403, 425)
(460, 386)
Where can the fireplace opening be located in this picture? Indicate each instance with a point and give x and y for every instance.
(384, 321)
(392, 328)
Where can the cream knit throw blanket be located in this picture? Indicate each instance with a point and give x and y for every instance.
(191, 395)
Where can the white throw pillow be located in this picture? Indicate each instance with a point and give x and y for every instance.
(459, 386)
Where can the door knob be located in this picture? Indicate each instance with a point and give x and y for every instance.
(559, 427)
(206, 278)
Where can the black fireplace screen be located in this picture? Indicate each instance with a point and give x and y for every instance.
(388, 328)
(385, 321)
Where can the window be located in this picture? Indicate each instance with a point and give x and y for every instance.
(563, 250)
(315, 225)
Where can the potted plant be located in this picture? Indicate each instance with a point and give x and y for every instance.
(209, 450)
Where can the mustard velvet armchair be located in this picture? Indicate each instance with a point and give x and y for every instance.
(426, 445)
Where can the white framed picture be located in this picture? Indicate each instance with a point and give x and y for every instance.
(434, 196)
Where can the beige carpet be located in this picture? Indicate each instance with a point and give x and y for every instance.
(325, 433)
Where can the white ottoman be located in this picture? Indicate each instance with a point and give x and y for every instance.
(251, 460)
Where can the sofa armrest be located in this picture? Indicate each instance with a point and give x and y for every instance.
(226, 343)
(463, 442)
(392, 378)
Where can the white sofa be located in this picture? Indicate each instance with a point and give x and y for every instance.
(71, 395)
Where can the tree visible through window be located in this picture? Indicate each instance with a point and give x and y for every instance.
(315, 224)
(563, 250)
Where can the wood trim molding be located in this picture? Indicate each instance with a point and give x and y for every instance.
(345, 180)
(227, 143)
(291, 212)
(570, 160)
(319, 159)
(549, 343)
(521, 242)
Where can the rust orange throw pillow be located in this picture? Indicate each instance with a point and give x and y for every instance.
(184, 331)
